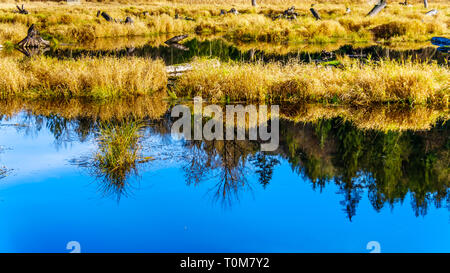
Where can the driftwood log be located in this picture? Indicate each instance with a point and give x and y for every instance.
(22, 10)
(179, 46)
(377, 8)
(176, 39)
(33, 39)
(315, 13)
(432, 12)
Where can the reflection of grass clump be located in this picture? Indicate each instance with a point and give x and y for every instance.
(119, 153)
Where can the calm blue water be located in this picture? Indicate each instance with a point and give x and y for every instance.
(47, 200)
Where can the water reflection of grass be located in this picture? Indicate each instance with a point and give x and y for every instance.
(118, 157)
(118, 154)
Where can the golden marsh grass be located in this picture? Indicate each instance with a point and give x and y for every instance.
(353, 83)
(43, 77)
(79, 23)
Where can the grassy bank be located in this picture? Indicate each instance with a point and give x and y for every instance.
(351, 83)
(83, 78)
(63, 22)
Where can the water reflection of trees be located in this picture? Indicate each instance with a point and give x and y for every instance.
(387, 166)
(225, 161)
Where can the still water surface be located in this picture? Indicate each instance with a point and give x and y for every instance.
(330, 187)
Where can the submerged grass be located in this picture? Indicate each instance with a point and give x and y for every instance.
(352, 83)
(91, 78)
(79, 23)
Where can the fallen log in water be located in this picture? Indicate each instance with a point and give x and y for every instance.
(33, 39)
(377, 8)
(177, 70)
(176, 39)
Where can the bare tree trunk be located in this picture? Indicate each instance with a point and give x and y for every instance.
(254, 3)
(425, 3)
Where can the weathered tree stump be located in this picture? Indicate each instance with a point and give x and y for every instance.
(129, 20)
(22, 10)
(33, 39)
(176, 39)
(377, 8)
(107, 17)
(348, 10)
(290, 11)
(233, 11)
(315, 13)
(254, 3)
(425, 3)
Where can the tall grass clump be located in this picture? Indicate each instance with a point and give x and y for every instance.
(86, 77)
(118, 150)
(352, 83)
